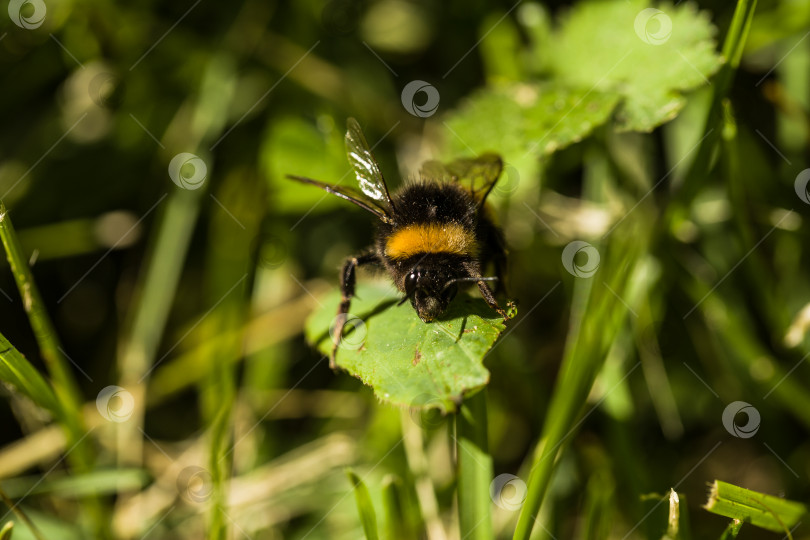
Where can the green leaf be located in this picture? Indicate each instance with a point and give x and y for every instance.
(648, 55)
(368, 517)
(295, 146)
(406, 361)
(527, 119)
(766, 511)
(5, 532)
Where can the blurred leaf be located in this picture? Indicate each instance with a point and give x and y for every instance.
(80, 485)
(649, 56)
(5, 532)
(522, 121)
(294, 145)
(404, 359)
(500, 52)
(364, 506)
(766, 511)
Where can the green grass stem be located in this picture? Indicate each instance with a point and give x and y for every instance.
(474, 469)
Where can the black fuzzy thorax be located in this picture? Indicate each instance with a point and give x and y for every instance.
(432, 202)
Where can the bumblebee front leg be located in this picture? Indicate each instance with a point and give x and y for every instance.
(347, 281)
(489, 297)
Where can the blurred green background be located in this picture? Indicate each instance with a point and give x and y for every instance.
(194, 297)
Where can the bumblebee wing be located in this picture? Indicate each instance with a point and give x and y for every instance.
(351, 195)
(478, 175)
(369, 178)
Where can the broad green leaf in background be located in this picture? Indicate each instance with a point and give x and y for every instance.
(406, 361)
(295, 145)
(523, 120)
(606, 58)
(649, 55)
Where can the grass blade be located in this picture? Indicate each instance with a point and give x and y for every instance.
(766, 511)
(63, 382)
(673, 523)
(732, 51)
(732, 530)
(65, 400)
(402, 517)
(368, 517)
(599, 310)
(474, 469)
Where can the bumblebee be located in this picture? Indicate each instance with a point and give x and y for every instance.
(432, 236)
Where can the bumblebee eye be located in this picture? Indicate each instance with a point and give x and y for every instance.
(410, 283)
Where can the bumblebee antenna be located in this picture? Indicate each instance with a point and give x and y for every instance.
(475, 279)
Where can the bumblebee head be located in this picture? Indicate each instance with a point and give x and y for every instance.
(430, 292)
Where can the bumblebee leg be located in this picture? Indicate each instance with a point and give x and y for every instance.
(489, 297)
(495, 252)
(347, 281)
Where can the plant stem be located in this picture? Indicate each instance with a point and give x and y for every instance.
(732, 51)
(599, 310)
(418, 465)
(64, 385)
(474, 469)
